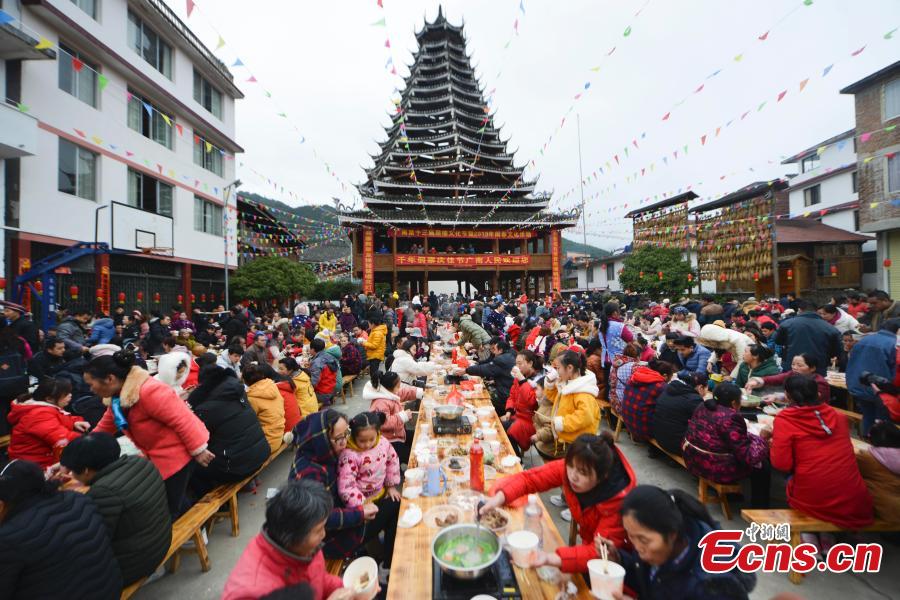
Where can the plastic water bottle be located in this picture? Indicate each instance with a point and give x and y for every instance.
(534, 515)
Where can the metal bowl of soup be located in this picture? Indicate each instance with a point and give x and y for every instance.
(449, 411)
(466, 551)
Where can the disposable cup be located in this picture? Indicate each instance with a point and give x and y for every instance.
(604, 583)
(521, 544)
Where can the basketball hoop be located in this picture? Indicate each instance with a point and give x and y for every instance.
(156, 250)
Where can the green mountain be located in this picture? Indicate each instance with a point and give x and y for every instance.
(572, 246)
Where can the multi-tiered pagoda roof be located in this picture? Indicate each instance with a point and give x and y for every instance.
(444, 161)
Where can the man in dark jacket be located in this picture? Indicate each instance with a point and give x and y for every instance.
(235, 435)
(808, 333)
(877, 354)
(50, 360)
(499, 370)
(130, 496)
(24, 328)
(236, 325)
(71, 329)
(52, 544)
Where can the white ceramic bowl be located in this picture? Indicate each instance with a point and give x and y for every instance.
(484, 412)
(521, 544)
(365, 565)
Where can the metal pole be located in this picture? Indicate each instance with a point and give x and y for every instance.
(225, 242)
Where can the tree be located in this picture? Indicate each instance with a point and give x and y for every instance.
(651, 261)
(333, 290)
(272, 278)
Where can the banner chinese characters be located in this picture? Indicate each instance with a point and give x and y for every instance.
(368, 261)
(465, 260)
(104, 287)
(486, 234)
(555, 245)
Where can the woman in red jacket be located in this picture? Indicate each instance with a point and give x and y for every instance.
(41, 427)
(522, 402)
(595, 476)
(811, 441)
(152, 415)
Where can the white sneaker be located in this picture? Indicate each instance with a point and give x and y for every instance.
(557, 500)
(566, 515)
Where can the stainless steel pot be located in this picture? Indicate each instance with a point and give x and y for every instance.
(449, 411)
(467, 529)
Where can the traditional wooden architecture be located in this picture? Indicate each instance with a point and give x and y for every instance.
(664, 223)
(444, 199)
(745, 237)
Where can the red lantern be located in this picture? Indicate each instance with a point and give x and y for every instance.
(834, 270)
(140, 297)
(641, 274)
(193, 298)
(2, 283)
(887, 265)
(690, 276)
(39, 286)
(99, 294)
(180, 298)
(212, 297)
(722, 278)
(73, 291)
(121, 297)
(790, 274)
(660, 275)
(202, 297)
(156, 297)
(756, 276)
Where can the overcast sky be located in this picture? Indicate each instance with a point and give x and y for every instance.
(324, 64)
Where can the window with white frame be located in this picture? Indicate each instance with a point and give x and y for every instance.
(892, 99)
(88, 6)
(809, 163)
(77, 173)
(207, 156)
(207, 216)
(893, 169)
(207, 95)
(812, 196)
(149, 120)
(77, 76)
(149, 45)
(150, 194)
(610, 272)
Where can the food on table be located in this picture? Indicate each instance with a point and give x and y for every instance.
(494, 519)
(459, 451)
(447, 520)
(465, 551)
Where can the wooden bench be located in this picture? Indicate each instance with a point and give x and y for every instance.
(206, 512)
(348, 381)
(704, 485)
(335, 566)
(802, 523)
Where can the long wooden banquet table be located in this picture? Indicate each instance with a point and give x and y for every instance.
(411, 569)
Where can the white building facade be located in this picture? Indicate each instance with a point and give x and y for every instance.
(825, 189)
(128, 125)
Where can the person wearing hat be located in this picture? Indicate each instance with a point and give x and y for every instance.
(24, 328)
(52, 544)
(683, 322)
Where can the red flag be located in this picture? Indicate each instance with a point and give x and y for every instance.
(380, 4)
(703, 140)
(635, 143)
(781, 95)
(80, 133)
(858, 52)
(387, 43)
(77, 64)
(764, 36)
(666, 116)
(617, 158)
(699, 89)
(128, 153)
(190, 8)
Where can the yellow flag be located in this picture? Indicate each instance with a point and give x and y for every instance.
(43, 44)
(166, 119)
(208, 147)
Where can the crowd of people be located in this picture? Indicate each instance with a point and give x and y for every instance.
(119, 423)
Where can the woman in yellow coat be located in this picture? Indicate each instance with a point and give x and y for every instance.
(267, 403)
(375, 346)
(303, 389)
(328, 320)
(573, 391)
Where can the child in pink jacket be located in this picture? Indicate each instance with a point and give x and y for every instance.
(369, 472)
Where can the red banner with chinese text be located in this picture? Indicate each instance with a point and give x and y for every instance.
(555, 246)
(461, 260)
(368, 261)
(104, 289)
(518, 234)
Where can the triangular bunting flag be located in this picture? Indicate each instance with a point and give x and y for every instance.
(238, 63)
(220, 44)
(781, 95)
(252, 79)
(190, 7)
(379, 23)
(43, 44)
(5, 18)
(102, 81)
(764, 37)
(77, 64)
(803, 84)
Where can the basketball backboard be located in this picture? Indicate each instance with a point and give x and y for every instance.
(140, 230)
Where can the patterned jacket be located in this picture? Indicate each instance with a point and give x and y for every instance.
(718, 447)
(364, 474)
(638, 402)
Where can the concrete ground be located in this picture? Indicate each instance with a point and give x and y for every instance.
(224, 550)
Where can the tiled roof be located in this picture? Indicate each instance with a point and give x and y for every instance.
(806, 231)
